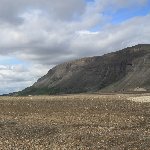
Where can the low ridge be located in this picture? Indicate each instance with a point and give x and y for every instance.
(124, 70)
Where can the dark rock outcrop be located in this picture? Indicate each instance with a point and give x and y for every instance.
(124, 70)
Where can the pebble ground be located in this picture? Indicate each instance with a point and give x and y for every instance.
(74, 122)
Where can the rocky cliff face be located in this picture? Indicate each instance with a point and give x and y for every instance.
(124, 70)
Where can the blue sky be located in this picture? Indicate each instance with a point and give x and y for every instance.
(37, 35)
(128, 13)
(10, 60)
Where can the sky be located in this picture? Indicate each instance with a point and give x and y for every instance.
(36, 35)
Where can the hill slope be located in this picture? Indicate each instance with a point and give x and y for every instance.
(124, 70)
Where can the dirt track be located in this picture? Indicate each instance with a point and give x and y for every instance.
(75, 122)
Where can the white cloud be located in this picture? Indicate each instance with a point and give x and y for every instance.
(10, 10)
(45, 45)
(17, 77)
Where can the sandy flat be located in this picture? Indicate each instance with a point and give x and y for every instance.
(140, 99)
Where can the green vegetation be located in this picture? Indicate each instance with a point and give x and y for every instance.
(48, 91)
